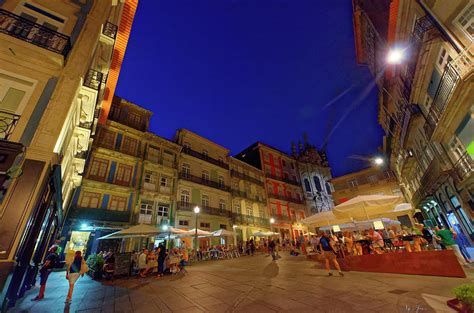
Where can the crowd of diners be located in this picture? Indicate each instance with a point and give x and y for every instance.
(390, 240)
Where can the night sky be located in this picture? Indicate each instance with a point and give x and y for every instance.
(238, 72)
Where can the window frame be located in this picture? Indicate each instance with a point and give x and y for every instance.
(463, 29)
(119, 200)
(124, 168)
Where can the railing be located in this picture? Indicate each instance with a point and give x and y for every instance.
(464, 166)
(114, 148)
(246, 177)
(93, 79)
(41, 36)
(110, 30)
(286, 180)
(7, 124)
(238, 218)
(206, 182)
(284, 219)
(285, 198)
(205, 157)
(187, 206)
(81, 155)
(99, 214)
(243, 194)
(408, 113)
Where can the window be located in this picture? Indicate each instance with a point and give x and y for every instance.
(168, 158)
(249, 210)
(261, 212)
(183, 223)
(135, 119)
(221, 181)
(223, 226)
(465, 20)
(184, 196)
(372, 179)
(205, 201)
(146, 207)
(205, 153)
(236, 207)
(129, 145)
(222, 204)
(443, 58)
(389, 175)
(151, 177)
(186, 169)
(396, 192)
(15, 92)
(186, 145)
(205, 225)
(40, 15)
(89, 200)
(205, 176)
(163, 210)
(154, 154)
(352, 183)
(317, 183)
(328, 188)
(221, 159)
(124, 175)
(98, 169)
(106, 138)
(117, 203)
(307, 185)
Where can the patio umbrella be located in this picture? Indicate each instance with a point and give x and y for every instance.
(192, 233)
(223, 233)
(324, 219)
(141, 230)
(265, 234)
(364, 206)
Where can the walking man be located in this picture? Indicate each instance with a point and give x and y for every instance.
(327, 247)
(272, 247)
(46, 269)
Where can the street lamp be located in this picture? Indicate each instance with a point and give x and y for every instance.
(165, 228)
(378, 161)
(196, 211)
(395, 56)
(272, 220)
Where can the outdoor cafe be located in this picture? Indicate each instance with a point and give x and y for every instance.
(402, 247)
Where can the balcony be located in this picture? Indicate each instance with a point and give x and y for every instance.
(206, 182)
(243, 194)
(286, 180)
(8, 122)
(205, 157)
(110, 30)
(99, 214)
(104, 145)
(93, 79)
(464, 167)
(234, 173)
(283, 219)
(242, 219)
(23, 29)
(188, 207)
(285, 198)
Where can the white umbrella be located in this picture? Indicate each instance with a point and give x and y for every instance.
(265, 234)
(323, 219)
(223, 233)
(136, 231)
(364, 206)
(192, 233)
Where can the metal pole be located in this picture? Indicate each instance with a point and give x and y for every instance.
(196, 234)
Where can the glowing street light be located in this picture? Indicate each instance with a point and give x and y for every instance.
(378, 161)
(197, 209)
(395, 56)
(272, 220)
(165, 227)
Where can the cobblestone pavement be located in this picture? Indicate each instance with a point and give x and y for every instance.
(251, 284)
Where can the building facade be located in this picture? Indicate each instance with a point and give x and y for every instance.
(55, 56)
(285, 200)
(425, 103)
(315, 174)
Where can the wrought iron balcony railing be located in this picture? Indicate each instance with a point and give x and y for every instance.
(187, 206)
(110, 30)
(243, 194)
(93, 79)
(202, 181)
(36, 34)
(285, 198)
(464, 166)
(246, 177)
(286, 180)
(99, 214)
(204, 157)
(7, 124)
(238, 218)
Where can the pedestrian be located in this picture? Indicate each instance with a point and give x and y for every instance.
(252, 246)
(142, 262)
(327, 247)
(49, 263)
(448, 236)
(272, 247)
(77, 268)
(161, 259)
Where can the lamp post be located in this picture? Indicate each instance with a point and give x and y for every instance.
(272, 221)
(196, 211)
(165, 228)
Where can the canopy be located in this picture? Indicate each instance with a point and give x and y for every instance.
(365, 206)
(362, 225)
(324, 219)
(265, 234)
(136, 231)
(192, 233)
(223, 233)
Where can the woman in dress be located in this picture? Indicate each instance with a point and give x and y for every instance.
(77, 268)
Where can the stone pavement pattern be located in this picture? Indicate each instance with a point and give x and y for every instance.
(249, 284)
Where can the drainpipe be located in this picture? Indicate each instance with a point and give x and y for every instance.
(442, 29)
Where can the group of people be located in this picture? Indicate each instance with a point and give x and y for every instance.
(394, 238)
(159, 261)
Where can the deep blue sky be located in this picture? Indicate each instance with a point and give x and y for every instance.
(237, 72)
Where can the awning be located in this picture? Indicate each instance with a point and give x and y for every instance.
(223, 233)
(136, 231)
(363, 207)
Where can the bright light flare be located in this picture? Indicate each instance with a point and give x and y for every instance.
(378, 161)
(272, 220)
(197, 209)
(395, 56)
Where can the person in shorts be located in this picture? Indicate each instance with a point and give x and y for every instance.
(77, 268)
(327, 248)
(48, 265)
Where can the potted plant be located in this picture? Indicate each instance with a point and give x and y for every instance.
(464, 301)
(95, 263)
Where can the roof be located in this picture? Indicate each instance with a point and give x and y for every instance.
(184, 130)
(259, 143)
